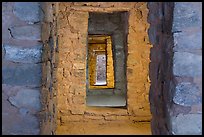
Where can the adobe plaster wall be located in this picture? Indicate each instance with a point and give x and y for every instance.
(71, 72)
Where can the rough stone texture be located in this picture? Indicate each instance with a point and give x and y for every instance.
(22, 74)
(21, 50)
(176, 67)
(24, 125)
(29, 32)
(187, 94)
(181, 42)
(24, 55)
(187, 68)
(23, 111)
(48, 113)
(187, 15)
(187, 64)
(3, 52)
(18, 116)
(71, 78)
(26, 98)
(27, 11)
(160, 19)
(189, 124)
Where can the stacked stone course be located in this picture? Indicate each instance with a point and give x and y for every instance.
(21, 67)
(176, 67)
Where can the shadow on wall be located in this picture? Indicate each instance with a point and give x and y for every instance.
(176, 67)
(160, 19)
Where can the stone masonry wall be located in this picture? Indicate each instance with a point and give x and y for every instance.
(21, 67)
(176, 67)
(48, 113)
(73, 114)
(160, 19)
(186, 111)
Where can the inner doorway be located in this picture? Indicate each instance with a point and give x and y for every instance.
(109, 46)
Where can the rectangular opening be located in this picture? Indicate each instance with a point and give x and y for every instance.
(100, 62)
(106, 59)
(101, 70)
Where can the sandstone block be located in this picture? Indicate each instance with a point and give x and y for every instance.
(188, 40)
(189, 124)
(27, 11)
(67, 119)
(187, 14)
(24, 55)
(93, 117)
(26, 74)
(27, 98)
(187, 64)
(77, 109)
(79, 66)
(187, 94)
(16, 124)
(29, 32)
(78, 100)
(110, 118)
(23, 111)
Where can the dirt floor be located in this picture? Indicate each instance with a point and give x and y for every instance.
(107, 128)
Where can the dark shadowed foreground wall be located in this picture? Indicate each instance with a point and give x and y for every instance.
(176, 67)
(160, 19)
(48, 113)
